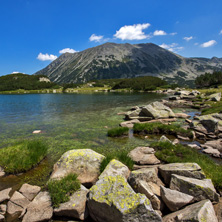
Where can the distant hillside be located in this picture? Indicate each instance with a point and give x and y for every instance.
(24, 81)
(111, 61)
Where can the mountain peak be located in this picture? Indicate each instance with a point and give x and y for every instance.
(112, 60)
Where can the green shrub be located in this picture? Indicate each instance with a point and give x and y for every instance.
(22, 156)
(160, 128)
(61, 190)
(170, 153)
(118, 131)
(122, 156)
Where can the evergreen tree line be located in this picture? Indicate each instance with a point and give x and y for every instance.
(23, 81)
(209, 80)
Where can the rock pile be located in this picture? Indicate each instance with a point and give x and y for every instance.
(118, 194)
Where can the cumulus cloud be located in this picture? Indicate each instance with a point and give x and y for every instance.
(132, 32)
(220, 33)
(188, 38)
(67, 50)
(159, 32)
(46, 57)
(172, 47)
(15, 72)
(208, 44)
(96, 38)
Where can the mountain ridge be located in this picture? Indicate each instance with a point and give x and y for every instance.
(112, 60)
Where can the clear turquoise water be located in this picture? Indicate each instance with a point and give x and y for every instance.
(68, 121)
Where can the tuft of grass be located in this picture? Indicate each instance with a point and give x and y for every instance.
(160, 128)
(216, 107)
(122, 156)
(22, 156)
(170, 153)
(118, 131)
(61, 190)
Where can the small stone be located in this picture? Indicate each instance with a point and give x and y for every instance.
(37, 131)
(4, 195)
(20, 200)
(3, 208)
(143, 156)
(14, 210)
(164, 139)
(29, 191)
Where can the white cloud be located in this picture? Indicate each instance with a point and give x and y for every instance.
(159, 32)
(132, 32)
(96, 38)
(67, 50)
(172, 47)
(196, 43)
(173, 33)
(15, 72)
(220, 33)
(208, 44)
(188, 38)
(46, 57)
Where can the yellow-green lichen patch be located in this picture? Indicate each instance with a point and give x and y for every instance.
(115, 191)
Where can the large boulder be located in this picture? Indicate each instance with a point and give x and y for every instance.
(143, 156)
(157, 110)
(199, 189)
(202, 211)
(115, 168)
(83, 162)
(174, 199)
(75, 207)
(182, 93)
(112, 199)
(29, 191)
(184, 169)
(215, 97)
(4, 194)
(39, 209)
(211, 151)
(13, 210)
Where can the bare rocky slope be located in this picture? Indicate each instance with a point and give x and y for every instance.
(112, 60)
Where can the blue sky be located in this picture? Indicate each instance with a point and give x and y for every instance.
(34, 32)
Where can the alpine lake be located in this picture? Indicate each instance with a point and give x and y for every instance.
(66, 121)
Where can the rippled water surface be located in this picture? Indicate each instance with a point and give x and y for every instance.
(68, 121)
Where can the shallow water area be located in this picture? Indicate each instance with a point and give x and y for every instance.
(67, 121)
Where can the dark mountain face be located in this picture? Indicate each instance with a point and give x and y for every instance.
(112, 60)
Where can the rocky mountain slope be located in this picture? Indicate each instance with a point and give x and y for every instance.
(112, 60)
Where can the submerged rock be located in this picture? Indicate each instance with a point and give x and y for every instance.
(83, 162)
(112, 199)
(202, 211)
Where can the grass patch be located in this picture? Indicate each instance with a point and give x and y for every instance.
(118, 131)
(61, 190)
(216, 107)
(22, 156)
(170, 153)
(160, 128)
(122, 156)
